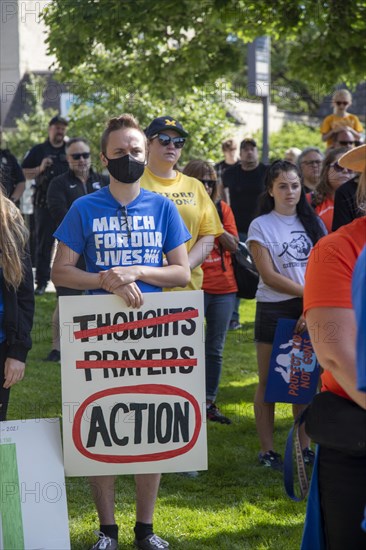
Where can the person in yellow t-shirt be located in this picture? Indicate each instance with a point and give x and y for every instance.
(332, 124)
(166, 138)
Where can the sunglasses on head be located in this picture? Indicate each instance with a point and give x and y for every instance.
(338, 168)
(342, 103)
(164, 140)
(346, 142)
(209, 183)
(77, 156)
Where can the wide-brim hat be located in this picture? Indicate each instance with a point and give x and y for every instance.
(354, 159)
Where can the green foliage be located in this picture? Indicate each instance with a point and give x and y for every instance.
(170, 46)
(236, 504)
(292, 135)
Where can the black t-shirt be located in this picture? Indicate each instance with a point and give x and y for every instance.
(10, 172)
(345, 204)
(34, 158)
(221, 167)
(245, 187)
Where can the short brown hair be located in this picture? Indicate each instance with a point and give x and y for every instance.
(229, 144)
(117, 123)
(198, 169)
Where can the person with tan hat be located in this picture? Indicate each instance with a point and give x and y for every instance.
(328, 303)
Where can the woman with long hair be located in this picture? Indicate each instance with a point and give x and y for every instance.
(16, 299)
(219, 286)
(332, 176)
(280, 240)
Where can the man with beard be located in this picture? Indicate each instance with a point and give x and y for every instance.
(42, 163)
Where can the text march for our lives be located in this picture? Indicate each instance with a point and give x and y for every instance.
(133, 384)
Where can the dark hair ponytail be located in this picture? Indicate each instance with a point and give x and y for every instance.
(306, 214)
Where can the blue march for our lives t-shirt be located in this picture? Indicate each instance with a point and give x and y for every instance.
(109, 234)
(359, 304)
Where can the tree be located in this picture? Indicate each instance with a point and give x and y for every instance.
(171, 46)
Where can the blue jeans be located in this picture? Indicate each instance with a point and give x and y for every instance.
(218, 310)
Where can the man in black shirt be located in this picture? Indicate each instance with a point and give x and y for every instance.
(42, 163)
(79, 180)
(12, 178)
(243, 184)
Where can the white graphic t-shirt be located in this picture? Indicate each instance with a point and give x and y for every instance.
(289, 247)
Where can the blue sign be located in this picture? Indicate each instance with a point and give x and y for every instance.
(294, 370)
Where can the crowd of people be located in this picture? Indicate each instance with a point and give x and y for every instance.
(298, 199)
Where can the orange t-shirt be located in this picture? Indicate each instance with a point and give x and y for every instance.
(328, 278)
(215, 279)
(325, 211)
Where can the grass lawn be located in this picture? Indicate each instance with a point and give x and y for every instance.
(237, 504)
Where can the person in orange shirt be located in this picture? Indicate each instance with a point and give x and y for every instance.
(340, 119)
(332, 176)
(332, 326)
(219, 287)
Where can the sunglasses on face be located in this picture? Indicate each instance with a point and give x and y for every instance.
(338, 168)
(341, 103)
(311, 162)
(209, 183)
(346, 143)
(77, 156)
(164, 140)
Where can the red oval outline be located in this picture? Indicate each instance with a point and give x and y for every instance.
(156, 389)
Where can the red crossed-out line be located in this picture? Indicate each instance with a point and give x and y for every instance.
(149, 322)
(135, 363)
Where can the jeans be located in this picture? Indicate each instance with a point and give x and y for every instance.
(44, 229)
(218, 310)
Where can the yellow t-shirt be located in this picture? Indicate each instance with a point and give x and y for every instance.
(194, 205)
(333, 121)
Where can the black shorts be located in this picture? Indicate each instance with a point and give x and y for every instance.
(268, 313)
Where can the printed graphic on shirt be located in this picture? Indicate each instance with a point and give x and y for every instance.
(298, 248)
(126, 240)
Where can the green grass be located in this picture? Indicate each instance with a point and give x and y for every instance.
(235, 505)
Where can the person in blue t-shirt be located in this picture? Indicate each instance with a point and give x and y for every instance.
(123, 232)
(359, 305)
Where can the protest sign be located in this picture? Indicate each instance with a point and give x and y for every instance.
(294, 371)
(33, 509)
(133, 384)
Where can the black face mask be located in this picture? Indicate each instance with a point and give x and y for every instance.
(125, 169)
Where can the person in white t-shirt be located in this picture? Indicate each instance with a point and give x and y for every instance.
(280, 240)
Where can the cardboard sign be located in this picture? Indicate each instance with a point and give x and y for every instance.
(133, 384)
(294, 370)
(33, 509)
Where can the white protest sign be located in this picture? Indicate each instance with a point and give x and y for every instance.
(133, 384)
(33, 509)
